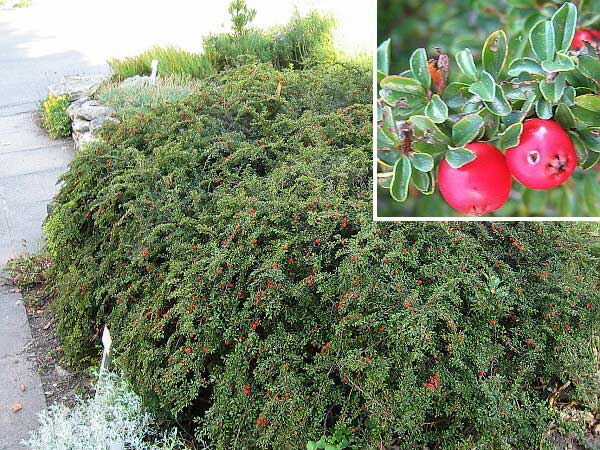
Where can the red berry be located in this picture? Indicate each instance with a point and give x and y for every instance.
(478, 187)
(591, 36)
(545, 156)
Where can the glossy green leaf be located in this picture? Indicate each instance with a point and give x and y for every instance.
(553, 90)
(458, 157)
(543, 109)
(580, 148)
(403, 84)
(465, 62)
(591, 137)
(510, 137)
(424, 182)
(591, 102)
(434, 148)
(491, 123)
(561, 63)
(428, 128)
(564, 22)
(564, 116)
(592, 161)
(437, 110)
(400, 179)
(485, 88)
(494, 53)
(569, 96)
(383, 58)
(542, 40)
(456, 95)
(419, 67)
(590, 67)
(527, 65)
(466, 129)
(499, 105)
(422, 161)
(585, 117)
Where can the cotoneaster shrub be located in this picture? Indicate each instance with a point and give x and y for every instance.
(228, 242)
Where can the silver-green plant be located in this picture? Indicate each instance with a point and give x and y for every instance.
(114, 419)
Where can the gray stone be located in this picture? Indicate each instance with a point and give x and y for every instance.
(74, 106)
(84, 138)
(79, 125)
(77, 86)
(97, 123)
(92, 110)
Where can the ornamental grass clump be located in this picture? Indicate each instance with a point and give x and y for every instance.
(228, 242)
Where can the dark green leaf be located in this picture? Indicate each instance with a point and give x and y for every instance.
(591, 102)
(466, 129)
(400, 179)
(510, 137)
(422, 161)
(455, 94)
(586, 117)
(591, 137)
(527, 65)
(424, 182)
(569, 96)
(437, 110)
(542, 40)
(553, 90)
(383, 58)
(564, 116)
(499, 105)
(464, 59)
(561, 63)
(495, 50)
(458, 157)
(564, 22)
(427, 127)
(580, 148)
(403, 84)
(590, 67)
(485, 88)
(543, 109)
(419, 67)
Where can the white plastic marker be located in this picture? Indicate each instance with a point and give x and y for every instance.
(154, 67)
(106, 343)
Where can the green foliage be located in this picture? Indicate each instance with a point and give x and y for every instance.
(54, 116)
(484, 93)
(303, 42)
(241, 15)
(339, 441)
(228, 242)
(138, 98)
(172, 62)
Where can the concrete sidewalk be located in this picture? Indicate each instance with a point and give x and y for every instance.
(30, 164)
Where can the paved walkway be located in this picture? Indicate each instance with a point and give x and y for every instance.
(30, 164)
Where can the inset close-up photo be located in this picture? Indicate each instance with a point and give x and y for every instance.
(488, 110)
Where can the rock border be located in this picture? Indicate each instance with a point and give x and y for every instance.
(87, 115)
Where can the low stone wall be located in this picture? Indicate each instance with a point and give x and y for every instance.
(87, 115)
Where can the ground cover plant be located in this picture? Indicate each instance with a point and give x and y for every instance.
(521, 103)
(54, 116)
(131, 99)
(227, 241)
(113, 418)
